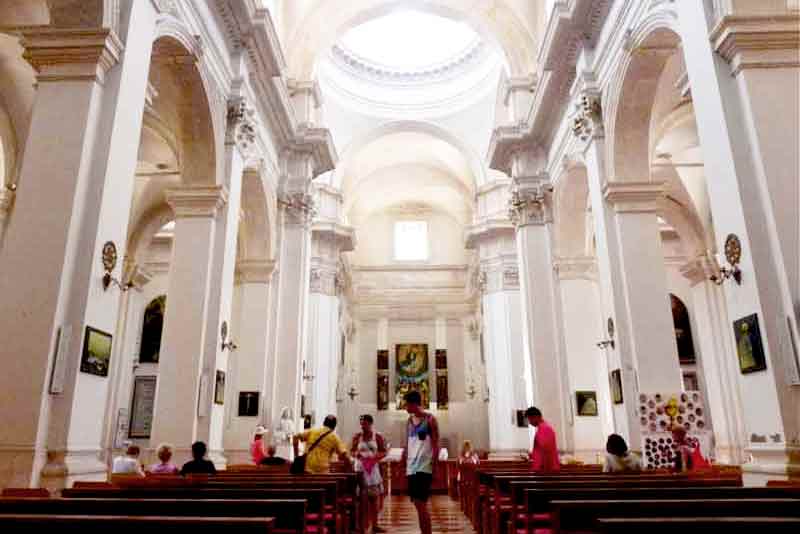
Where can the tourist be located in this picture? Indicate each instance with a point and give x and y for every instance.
(321, 443)
(544, 456)
(618, 458)
(198, 464)
(165, 466)
(128, 464)
(270, 459)
(467, 454)
(257, 445)
(420, 454)
(368, 449)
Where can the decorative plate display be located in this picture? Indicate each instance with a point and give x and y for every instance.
(657, 412)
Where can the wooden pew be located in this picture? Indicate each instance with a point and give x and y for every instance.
(570, 516)
(315, 498)
(81, 524)
(289, 514)
(704, 525)
(538, 499)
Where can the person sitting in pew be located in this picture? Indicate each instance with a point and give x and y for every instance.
(128, 464)
(198, 464)
(618, 458)
(270, 459)
(687, 454)
(165, 466)
(544, 456)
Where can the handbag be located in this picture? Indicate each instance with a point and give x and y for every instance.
(299, 464)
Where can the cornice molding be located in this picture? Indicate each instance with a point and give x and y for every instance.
(758, 41)
(199, 201)
(254, 271)
(343, 236)
(59, 54)
(634, 197)
(486, 229)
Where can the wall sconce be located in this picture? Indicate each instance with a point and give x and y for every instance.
(604, 344)
(226, 344)
(733, 254)
(109, 258)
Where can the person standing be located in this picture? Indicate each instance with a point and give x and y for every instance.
(544, 456)
(369, 448)
(420, 454)
(321, 443)
(257, 449)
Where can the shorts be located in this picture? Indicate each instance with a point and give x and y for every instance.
(419, 486)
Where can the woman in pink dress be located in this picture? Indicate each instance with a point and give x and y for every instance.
(164, 467)
(257, 452)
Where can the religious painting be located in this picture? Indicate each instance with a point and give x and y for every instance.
(412, 372)
(219, 388)
(521, 419)
(248, 403)
(96, 352)
(441, 359)
(383, 390)
(383, 359)
(152, 328)
(616, 386)
(748, 344)
(442, 395)
(142, 405)
(586, 403)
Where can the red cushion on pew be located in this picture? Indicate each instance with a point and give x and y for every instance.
(315, 517)
(536, 531)
(534, 517)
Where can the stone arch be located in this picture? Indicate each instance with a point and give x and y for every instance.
(683, 330)
(257, 230)
(187, 101)
(570, 209)
(497, 23)
(631, 96)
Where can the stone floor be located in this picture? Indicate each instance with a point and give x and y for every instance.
(399, 516)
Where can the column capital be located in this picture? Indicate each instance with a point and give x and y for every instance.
(241, 127)
(531, 201)
(587, 118)
(634, 197)
(323, 281)
(71, 54)
(197, 201)
(254, 271)
(298, 207)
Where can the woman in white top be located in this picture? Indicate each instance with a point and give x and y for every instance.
(369, 448)
(618, 458)
(128, 464)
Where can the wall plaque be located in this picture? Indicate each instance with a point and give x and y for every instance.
(144, 395)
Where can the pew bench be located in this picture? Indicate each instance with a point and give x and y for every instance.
(704, 525)
(81, 524)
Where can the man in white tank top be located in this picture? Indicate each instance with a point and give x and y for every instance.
(420, 454)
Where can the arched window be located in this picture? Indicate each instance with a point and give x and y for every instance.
(151, 330)
(683, 331)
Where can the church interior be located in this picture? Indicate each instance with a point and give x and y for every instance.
(221, 218)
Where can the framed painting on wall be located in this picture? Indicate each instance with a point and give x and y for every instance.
(616, 386)
(586, 403)
(96, 352)
(219, 388)
(248, 403)
(748, 344)
(412, 372)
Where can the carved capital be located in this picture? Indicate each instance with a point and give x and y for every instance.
(71, 54)
(241, 129)
(587, 121)
(298, 208)
(531, 201)
(322, 281)
(169, 7)
(201, 201)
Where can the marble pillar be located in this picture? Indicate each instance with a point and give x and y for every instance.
(78, 181)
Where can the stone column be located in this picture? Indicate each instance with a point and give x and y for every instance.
(247, 365)
(76, 182)
(531, 212)
(632, 276)
(185, 387)
(720, 370)
(742, 68)
(296, 211)
(508, 372)
(588, 365)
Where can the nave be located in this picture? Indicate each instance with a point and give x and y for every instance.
(399, 516)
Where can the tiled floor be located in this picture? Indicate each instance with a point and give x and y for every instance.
(399, 516)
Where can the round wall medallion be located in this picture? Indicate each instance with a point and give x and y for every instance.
(223, 331)
(109, 256)
(610, 326)
(733, 249)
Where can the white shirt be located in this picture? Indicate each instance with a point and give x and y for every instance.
(125, 465)
(618, 464)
